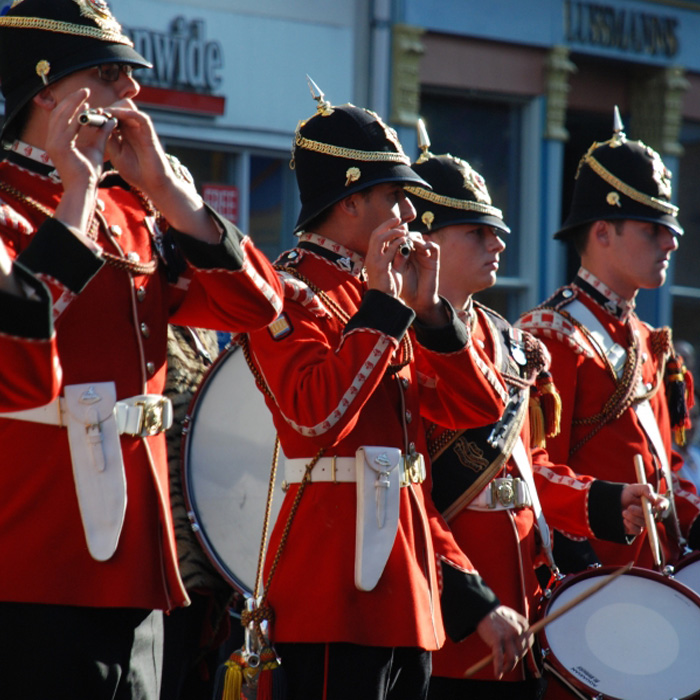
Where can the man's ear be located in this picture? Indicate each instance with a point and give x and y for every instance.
(600, 231)
(349, 205)
(45, 99)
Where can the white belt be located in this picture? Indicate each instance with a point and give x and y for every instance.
(141, 416)
(502, 494)
(341, 470)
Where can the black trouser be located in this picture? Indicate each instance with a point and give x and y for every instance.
(61, 652)
(340, 671)
(458, 689)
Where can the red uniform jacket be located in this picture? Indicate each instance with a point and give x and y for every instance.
(326, 363)
(110, 329)
(585, 383)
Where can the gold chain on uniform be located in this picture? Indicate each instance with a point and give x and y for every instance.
(114, 260)
(344, 317)
(624, 395)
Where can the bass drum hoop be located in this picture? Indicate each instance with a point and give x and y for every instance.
(564, 674)
(228, 445)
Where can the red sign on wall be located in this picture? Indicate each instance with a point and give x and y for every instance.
(223, 198)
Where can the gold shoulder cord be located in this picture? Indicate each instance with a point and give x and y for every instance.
(624, 395)
(262, 611)
(114, 260)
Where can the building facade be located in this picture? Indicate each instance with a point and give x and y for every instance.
(520, 88)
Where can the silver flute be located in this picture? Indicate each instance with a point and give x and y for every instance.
(91, 118)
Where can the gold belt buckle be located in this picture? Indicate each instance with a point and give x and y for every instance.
(503, 492)
(152, 420)
(414, 468)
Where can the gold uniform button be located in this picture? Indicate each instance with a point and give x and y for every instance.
(116, 230)
(133, 257)
(145, 330)
(150, 368)
(141, 293)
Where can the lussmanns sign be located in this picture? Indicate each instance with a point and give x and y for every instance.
(621, 28)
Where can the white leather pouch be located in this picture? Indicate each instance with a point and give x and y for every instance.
(98, 467)
(378, 500)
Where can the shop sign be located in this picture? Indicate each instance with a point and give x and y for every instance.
(186, 66)
(611, 27)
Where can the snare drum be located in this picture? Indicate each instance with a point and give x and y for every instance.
(638, 638)
(228, 446)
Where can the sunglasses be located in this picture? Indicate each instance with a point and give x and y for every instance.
(110, 72)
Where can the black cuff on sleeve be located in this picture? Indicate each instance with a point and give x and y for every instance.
(56, 252)
(605, 511)
(694, 534)
(465, 600)
(451, 337)
(227, 254)
(23, 317)
(382, 313)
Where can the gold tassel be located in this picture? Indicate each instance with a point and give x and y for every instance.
(233, 680)
(551, 404)
(537, 435)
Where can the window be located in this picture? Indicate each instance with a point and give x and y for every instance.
(487, 134)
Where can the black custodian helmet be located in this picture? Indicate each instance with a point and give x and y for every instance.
(459, 194)
(341, 150)
(42, 41)
(621, 179)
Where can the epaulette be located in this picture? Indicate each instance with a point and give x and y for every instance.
(290, 258)
(299, 291)
(549, 320)
(11, 219)
(528, 353)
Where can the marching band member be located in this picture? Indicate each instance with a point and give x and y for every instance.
(485, 482)
(623, 386)
(354, 585)
(86, 533)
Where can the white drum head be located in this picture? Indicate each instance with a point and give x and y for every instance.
(228, 451)
(636, 639)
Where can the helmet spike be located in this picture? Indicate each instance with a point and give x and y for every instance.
(423, 141)
(324, 106)
(618, 127)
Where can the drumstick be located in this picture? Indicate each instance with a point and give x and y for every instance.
(540, 624)
(652, 533)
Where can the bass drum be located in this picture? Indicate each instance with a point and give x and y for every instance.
(228, 444)
(635, 639)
